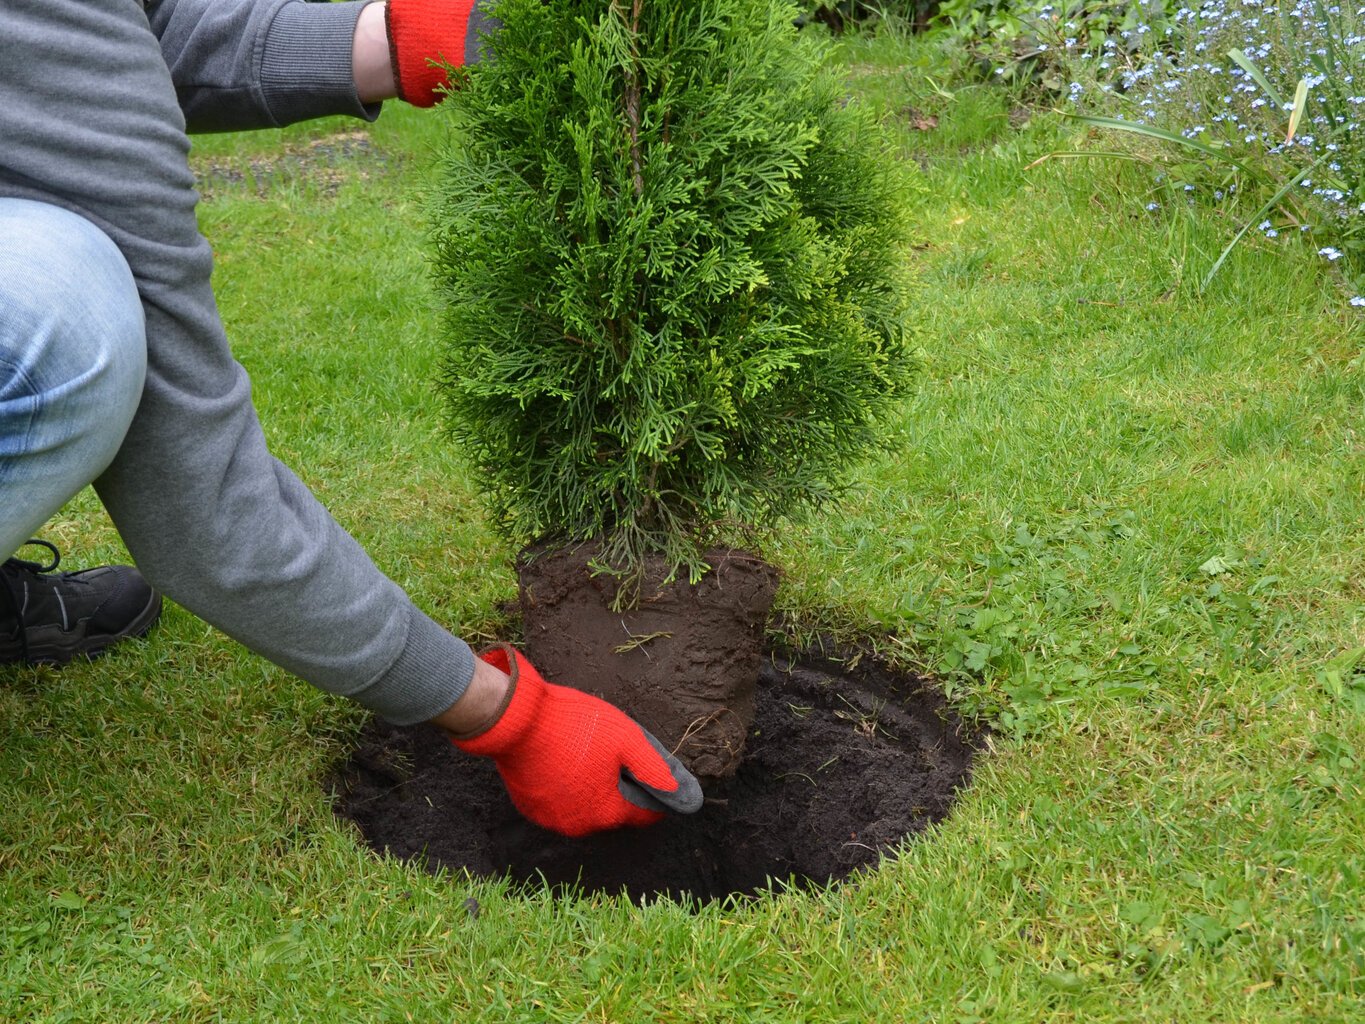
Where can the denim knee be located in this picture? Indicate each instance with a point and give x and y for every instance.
(73, 356)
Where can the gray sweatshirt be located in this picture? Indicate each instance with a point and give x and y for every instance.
(96, 98)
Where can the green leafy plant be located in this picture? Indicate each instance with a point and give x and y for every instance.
(1035, 43)
(897, 15)
(670, 252)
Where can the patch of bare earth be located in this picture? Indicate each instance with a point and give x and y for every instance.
(323, 163)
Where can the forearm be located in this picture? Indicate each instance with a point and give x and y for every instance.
(240, 64)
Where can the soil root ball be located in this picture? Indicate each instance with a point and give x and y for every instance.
(684, 660)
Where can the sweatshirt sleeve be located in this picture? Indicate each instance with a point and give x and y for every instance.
(240, 64)
(89, 122)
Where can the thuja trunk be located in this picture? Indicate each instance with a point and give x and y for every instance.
(683, 661)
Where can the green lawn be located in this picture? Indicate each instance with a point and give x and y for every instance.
(1125, 522)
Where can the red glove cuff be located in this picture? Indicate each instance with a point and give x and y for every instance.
(425, 36)
(519, 710)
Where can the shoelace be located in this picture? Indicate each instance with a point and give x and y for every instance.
(34, 566)
(23, 565)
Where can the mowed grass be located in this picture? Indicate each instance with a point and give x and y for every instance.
(1122, 521)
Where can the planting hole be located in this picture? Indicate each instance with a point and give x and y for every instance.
(845, 760)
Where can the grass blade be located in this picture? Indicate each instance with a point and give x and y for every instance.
(1072, 154)
(1244, 62)
(1300, 102)
(1269, 205)
(1165, 136)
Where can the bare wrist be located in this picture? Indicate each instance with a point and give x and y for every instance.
(482, 703)
(371, 60)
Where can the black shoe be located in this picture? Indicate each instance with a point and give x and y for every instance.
(51, 617)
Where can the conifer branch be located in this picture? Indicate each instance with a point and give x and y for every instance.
(632, 94)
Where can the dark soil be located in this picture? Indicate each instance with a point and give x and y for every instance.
(845, 760)
(325, 163)
(684, 660)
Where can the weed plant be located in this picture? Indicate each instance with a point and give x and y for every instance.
(1022, 42)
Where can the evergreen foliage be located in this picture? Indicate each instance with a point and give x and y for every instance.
(670, 253)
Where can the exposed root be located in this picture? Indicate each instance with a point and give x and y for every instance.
(697, 725)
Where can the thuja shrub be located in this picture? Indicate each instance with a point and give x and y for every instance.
(671, 253)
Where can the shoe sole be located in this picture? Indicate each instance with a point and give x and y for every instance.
(94, 644)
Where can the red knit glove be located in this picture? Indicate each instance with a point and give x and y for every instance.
(425, 36)
(574, 763)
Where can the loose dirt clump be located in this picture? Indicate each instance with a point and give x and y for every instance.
(845, 760)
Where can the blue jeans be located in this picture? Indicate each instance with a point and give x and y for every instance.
(73, 357)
